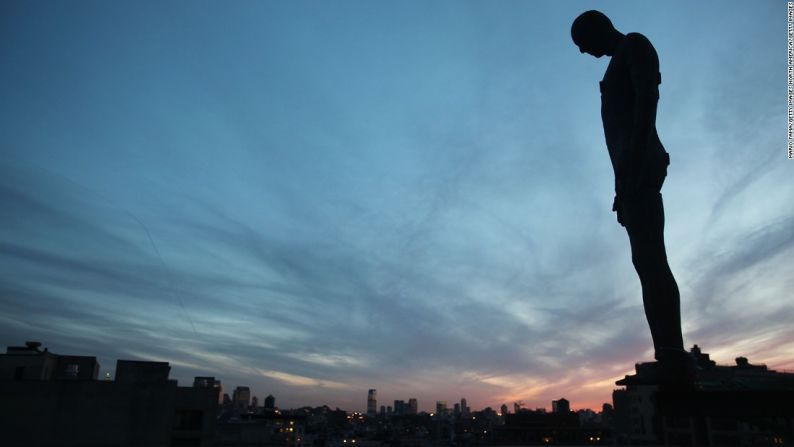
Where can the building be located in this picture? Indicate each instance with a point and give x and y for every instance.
(560, 406)
(534, 427)
(441, 407)
(211, 382)
(49, 399)
(270, 402)
(372, 402)
(399, 407)
(464, 407)
(29, 362)
(741, 404)
(241, 398)
(270, 428)
(413, 406)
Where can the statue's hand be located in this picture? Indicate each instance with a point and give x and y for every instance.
(617, 207)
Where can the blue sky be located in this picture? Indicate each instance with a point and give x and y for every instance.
(317, 198)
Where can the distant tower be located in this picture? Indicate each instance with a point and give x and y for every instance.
(456, 409)
(241, 396)
(413, 406)
(441, 407)
(372, 402)
(399, 407)
(464, 407)
(560, 406)
(270, 402)
(504, 409)
(254, 402)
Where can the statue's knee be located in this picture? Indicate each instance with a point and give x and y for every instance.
(648, 264)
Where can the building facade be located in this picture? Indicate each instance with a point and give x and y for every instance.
(372, 402)
(52, 400)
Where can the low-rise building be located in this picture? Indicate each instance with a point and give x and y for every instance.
(48, 399)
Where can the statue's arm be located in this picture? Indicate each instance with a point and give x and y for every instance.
(643, 66)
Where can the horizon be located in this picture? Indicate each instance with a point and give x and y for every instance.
(429, 409)
(313, 201)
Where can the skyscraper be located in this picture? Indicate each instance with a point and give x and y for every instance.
(270, 402)
(464, 407)
(399, 407)
(560, 406)
(413, 406)
(241, 396)
(372, 402)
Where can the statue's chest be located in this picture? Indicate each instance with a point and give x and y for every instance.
(617, 80)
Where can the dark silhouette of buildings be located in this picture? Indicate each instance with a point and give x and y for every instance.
(269, 428)
(526, 427)
(270, 402)
(47, 399)
(29, 362)
(741, 404)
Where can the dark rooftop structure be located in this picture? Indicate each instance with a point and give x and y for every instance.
(740, 404)
(48, 399)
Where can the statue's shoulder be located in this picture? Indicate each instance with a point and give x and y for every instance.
(635, 37)
(638, 48)
(637, 41)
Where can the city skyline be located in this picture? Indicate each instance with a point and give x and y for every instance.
(313, 200)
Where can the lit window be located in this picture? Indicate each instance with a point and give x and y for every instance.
(72, 370)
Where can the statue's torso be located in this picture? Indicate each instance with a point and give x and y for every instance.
(618, 102)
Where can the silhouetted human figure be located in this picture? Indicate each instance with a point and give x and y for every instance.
(629, 93)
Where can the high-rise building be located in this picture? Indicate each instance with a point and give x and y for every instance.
(560, 406)
(372, 402)
(441, 407)
(413, 406)
(210, 382)
(254, 403)
(464, 407)
(456, 409)
(399, 407)
(270, 402)
(241, 398)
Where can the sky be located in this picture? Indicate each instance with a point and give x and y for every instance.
(317, 198)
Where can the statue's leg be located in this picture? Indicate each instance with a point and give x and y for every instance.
(660, 295)
(644, 217)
